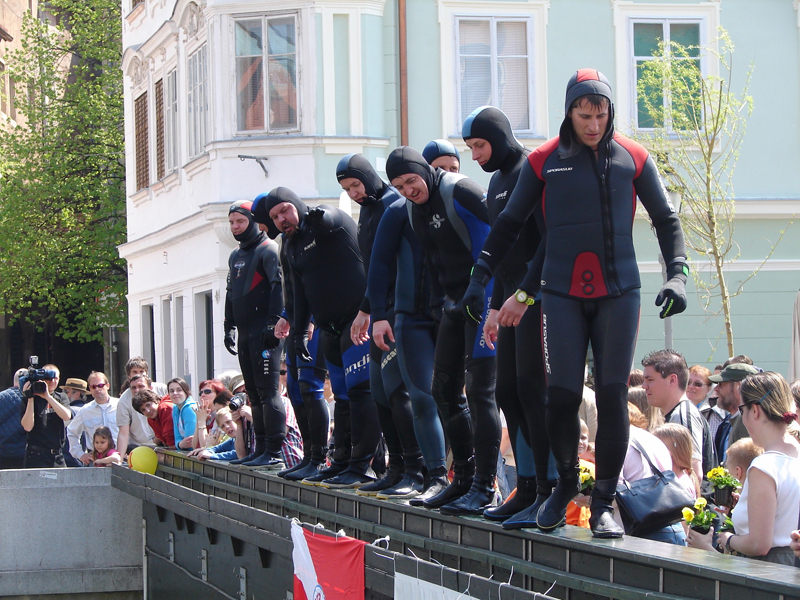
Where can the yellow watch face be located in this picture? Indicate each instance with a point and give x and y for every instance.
(521, 296)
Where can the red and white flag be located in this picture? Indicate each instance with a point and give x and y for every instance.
(327, 568)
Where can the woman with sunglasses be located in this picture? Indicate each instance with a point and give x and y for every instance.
(184, 413)
(768, 505)
(207, 433)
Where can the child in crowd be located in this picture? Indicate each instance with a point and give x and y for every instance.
(578, 512)
(104, 453)
(678, 441)
(740, 454)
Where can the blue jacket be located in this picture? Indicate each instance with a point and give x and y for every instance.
(224, 451)
(184, 419)
(12, 436)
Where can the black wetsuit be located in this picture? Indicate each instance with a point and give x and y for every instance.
(254, 301)
(329, 283)
(521, 385)
(397, 249)
(590, 279)
(388, 390)
(452, 226)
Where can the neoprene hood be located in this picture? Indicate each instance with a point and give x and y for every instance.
(583, 83)
(404, 159)
(492, 124)
(356, 165)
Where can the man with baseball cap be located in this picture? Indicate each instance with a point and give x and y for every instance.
(729, 383)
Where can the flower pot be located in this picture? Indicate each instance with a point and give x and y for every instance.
(724, 496)
(701, 529)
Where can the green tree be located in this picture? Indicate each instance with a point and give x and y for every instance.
(62, 193)
(698, 125)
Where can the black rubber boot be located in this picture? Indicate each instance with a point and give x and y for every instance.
(267, 461)
(602, 520)
(481, 495)
(410, 486)
(348, 479)
(527, 516)
(553, 512)
(393, 476)
(310, 470)
(437, 482)
(326, 473)
(261, 445)
(299, 466)
(524, 496)
(462, 481)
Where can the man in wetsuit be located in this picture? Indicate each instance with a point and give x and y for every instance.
(329, 282)
(305, 380)
(448, 215)
(443, 155)
(521, 385)
(253, 305)
(590, 178)
(363, 185)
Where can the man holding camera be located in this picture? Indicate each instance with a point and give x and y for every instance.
(44, 414)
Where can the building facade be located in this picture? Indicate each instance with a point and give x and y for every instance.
(225, 100)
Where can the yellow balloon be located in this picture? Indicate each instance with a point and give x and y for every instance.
(143, 459)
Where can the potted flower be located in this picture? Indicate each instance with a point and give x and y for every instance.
(587, 480)
(724, 485)
(700, 518)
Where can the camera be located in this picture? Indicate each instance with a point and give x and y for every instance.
(237, 402)
(37, 378)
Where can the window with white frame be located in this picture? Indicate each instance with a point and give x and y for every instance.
(495, 67)
(266, 73)
(171, 121)
(197, 100)
(646, 35)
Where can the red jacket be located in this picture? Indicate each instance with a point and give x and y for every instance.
(162, 424)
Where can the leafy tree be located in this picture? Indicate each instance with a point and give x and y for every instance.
(62, 194)
(698, 125)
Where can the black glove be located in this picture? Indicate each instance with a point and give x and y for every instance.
(672, 297)
(473, 303)
(230, 343)
(268, 339)
(301, 348)
(314, 216)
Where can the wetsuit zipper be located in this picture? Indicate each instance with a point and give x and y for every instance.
(608, 221)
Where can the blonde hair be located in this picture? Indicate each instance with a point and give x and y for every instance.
(742, 452)
(679, 442)
(222, 412)
(771, 392)
(635, 417)
(652, 414)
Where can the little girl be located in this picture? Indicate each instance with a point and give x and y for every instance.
(104, 452)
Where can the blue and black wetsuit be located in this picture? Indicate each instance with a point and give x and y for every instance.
(452, 225)
(521, 385)
(590, 280)
(329, 282)
(397, 249)
(388, 390)
(254, 301)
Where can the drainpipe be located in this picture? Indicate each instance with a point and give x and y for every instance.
(401, 26)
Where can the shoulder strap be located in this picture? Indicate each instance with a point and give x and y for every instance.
(655, 469)
(447, 186)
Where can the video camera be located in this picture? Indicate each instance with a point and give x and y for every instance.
(37, 378)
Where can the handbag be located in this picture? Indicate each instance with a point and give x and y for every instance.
(652, 502)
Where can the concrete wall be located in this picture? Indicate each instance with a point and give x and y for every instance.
(68, 533)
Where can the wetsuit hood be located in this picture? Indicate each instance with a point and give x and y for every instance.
(252, 233)
(583, 83)
(492, 124)
(404, 159)
(266, 202)
(437, 148)
(356, 165)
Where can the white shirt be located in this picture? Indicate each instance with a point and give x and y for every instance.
(89, 418)
(785, 471)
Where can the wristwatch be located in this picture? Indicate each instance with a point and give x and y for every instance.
(522, 297)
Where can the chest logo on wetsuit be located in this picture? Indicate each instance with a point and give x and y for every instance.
(239, 265)
(310, 246)
(437, 221)
(501, 195)
(559, 170)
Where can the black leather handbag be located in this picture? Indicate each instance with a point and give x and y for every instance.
(652, 502)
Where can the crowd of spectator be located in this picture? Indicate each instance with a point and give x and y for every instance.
(687, 420)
